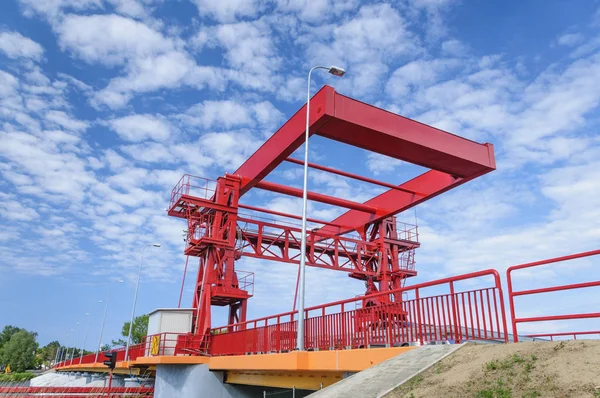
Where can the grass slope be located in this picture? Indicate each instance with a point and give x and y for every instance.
(523, 370)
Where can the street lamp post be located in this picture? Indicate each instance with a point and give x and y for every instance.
(137, 286)
(65, 350)
(57, 355)
(104, 319)
(75, 345)
(87, 327)
(334, 70)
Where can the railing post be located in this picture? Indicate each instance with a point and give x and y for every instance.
(511, 305)
(455, 316)
(343, 334)
(419, 324)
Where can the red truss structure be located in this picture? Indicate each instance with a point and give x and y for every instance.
(366, 241)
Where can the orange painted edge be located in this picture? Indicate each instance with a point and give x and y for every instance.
(318, 361)
(171, 360)
(322, 361)
(120, 367)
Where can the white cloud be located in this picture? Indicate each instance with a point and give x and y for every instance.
(220, 114)
(365, 44)
(14, 210)
(132, 8)
(8, 85)
(55, 173)
(110, 39)
(316, 10)
(151, 60)
(454, 48)
(136, 128)
(62, 119)
(419, 73)
(570, 39)
(379, 164)
(14, 45)
(228, 149)
(248, 46)
(149, 152)
(53, 9)
(375, 32)
(268, 115)
(227, 114)
(229, 10)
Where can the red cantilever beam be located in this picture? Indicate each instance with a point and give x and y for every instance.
(365, 126)
(317, 197)
(285, 140)
(355, 123)
(453, 160)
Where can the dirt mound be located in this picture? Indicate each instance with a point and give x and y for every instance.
(540, 369)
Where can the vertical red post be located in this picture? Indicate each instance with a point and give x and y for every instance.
(455, 316)
(109, 383)
(419, 324)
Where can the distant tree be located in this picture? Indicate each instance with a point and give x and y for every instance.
(47, 353)
(7, 333)
(19, 352)
(105, 347)
(140, 329)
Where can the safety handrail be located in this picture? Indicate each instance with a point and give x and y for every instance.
(512, 294)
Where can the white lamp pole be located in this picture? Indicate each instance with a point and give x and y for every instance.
(87, 327)
(104, 319)
(300, 336)
(74, 345)
(137, 286)
(64, 352)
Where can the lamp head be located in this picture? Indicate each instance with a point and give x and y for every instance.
(156, 245)
(337, 71)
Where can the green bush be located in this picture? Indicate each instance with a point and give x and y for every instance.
(16, 377)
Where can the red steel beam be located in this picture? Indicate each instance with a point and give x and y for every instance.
(286, 140)
(350, 175)
(346, 120)
(279, 213)
(365, 126)
(317, 197)
(431, 183)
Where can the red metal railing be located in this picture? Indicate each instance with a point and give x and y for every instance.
(467, 315)
(135, 351)
(512, 294)
(551, 336)
(246, 281)
(75, 392)
(161, 344)
(199, 187)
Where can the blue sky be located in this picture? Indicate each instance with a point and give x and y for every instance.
(104, 104)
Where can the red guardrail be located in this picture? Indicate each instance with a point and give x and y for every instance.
(469, 315)
(551, 336)
(512, 294)
(135, 351)
(20, 391)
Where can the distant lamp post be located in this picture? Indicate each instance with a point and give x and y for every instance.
(104, 318)
(64, 353)
(74, 345)
(137, 286)
(87, 327)
(336, 71)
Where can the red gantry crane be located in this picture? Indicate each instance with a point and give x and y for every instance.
(366, 241)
